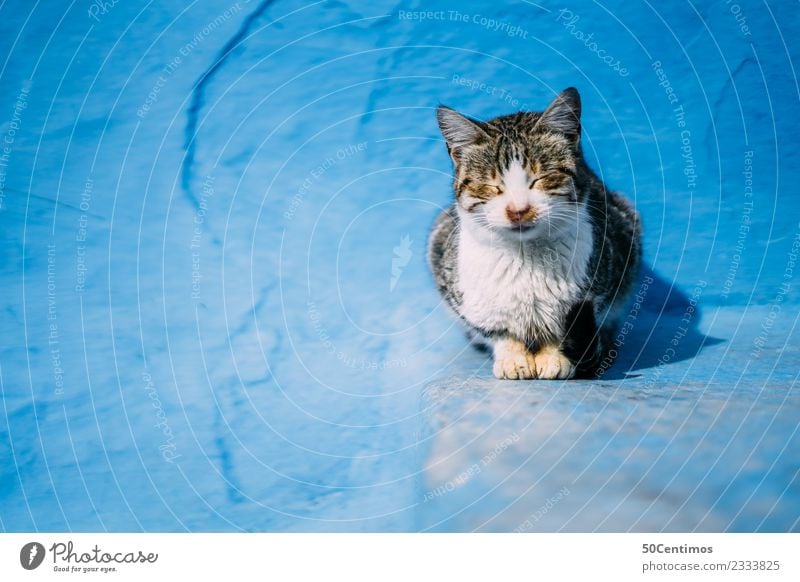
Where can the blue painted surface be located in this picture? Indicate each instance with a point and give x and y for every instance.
(216, 313)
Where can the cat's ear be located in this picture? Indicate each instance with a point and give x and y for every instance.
(459, 131)
(564, 114)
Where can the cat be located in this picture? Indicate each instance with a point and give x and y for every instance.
(536, 256)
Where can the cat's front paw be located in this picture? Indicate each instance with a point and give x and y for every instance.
(514, 367)
(550, 364)
(513, 361)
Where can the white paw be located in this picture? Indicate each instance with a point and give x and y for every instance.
(514, 366)
(550, 364)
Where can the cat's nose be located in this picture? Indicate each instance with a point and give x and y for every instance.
(518, 215)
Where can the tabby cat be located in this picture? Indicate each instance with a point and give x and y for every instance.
(536, 256)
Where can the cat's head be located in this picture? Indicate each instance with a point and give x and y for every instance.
(516, 175)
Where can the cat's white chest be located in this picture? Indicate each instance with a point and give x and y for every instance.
(527, 290)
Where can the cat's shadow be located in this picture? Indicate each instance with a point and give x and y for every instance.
(664, 330)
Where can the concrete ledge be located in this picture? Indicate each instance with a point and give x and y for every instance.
(609, 456)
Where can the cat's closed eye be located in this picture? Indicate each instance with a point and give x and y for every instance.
(554, 182)
(487, 190)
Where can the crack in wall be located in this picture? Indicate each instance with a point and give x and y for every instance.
(226, 458)
(198, 98)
